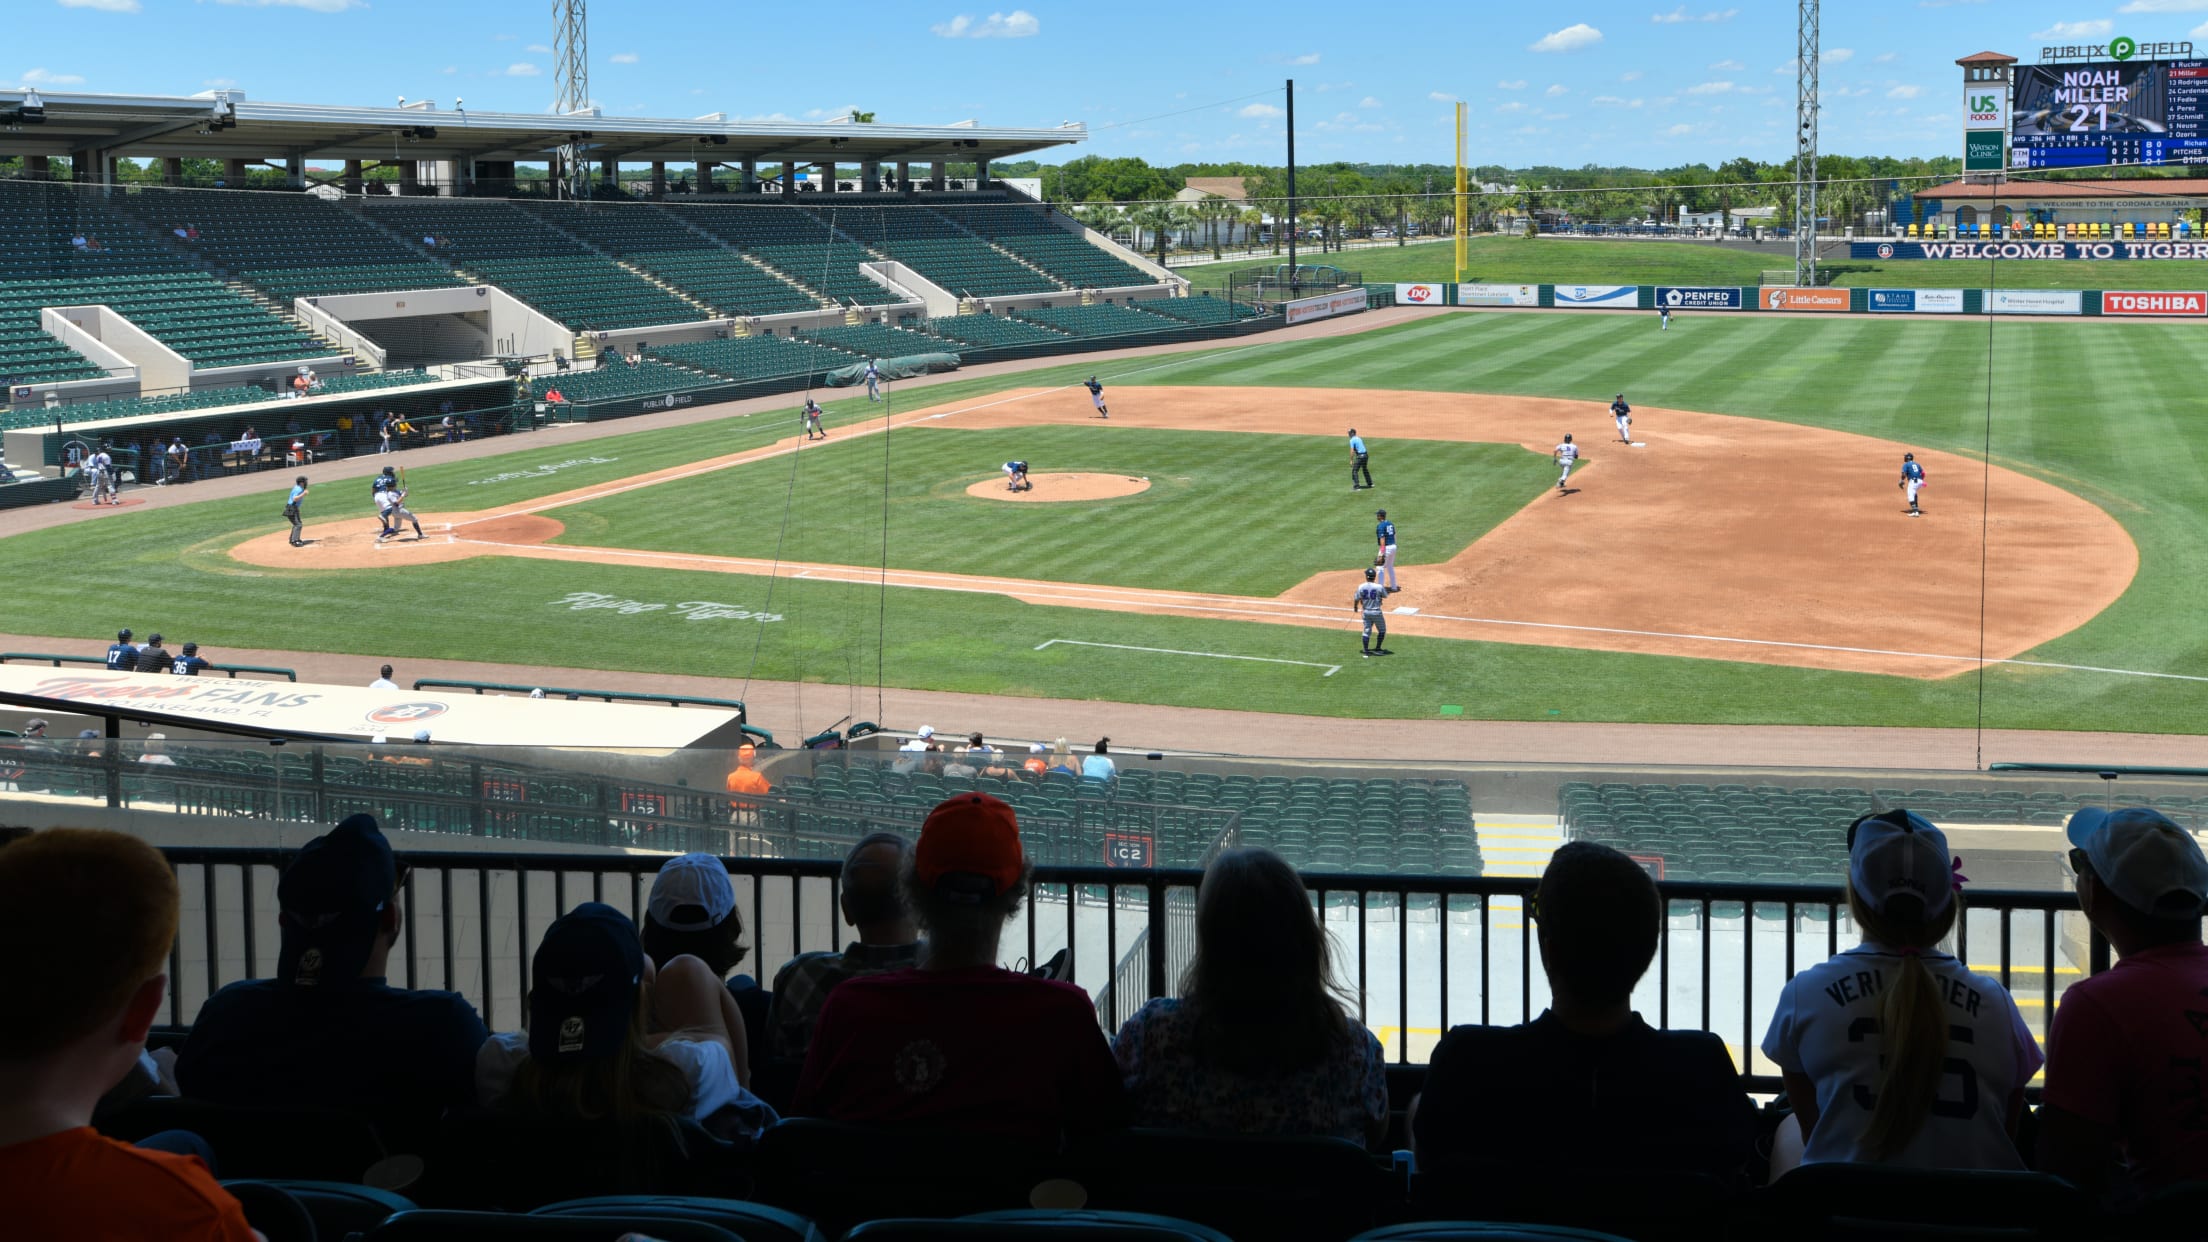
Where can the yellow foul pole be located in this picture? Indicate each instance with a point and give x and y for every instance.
(1464, 221)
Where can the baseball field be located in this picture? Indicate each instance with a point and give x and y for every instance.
(1749, 560)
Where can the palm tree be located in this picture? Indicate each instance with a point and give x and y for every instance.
(1159, 219)
(1253, 223)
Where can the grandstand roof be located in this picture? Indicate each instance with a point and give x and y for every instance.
(189, 126)
(2134, 187)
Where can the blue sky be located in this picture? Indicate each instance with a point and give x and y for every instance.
(1645, 82)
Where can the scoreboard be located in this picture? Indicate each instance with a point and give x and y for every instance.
(2110, 112)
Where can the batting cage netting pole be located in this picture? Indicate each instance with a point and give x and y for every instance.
(1293, 281)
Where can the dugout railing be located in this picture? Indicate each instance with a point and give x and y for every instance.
(227, 670)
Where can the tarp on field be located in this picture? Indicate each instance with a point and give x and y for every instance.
(892, 368)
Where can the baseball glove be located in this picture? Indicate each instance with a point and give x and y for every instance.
(1379, 558)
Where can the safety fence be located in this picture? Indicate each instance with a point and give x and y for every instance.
(227, 670)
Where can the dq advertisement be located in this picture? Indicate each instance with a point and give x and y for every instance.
(1791, 298)
(2163, 303)
(1498, 295)
(1326, 306)
(1698, 297)
(2034, 301)
(1598, 295)
(1418, 295)
(1917, 301)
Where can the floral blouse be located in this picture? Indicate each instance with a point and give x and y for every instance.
(1344, 1096)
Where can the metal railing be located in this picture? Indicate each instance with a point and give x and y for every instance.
(472, 919)
(228, 670)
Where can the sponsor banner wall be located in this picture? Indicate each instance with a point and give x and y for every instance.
(2035, 302)
(1792, 298)
(1699, 297)
(1327, 305)
(2162, 303)
(2071, 250)
(1917, 301)
(1498, 295)
(1420, 295)
(1598, 295)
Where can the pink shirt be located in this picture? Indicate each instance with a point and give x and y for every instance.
(2126, 1051)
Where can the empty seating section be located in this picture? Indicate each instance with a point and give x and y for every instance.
(662, 245)
(991, 330)
(616, 380)
(1099, 320)
(287, 244)
(188, 311)
(940, 251)
(1200, 309)
(141, 407)
(1069, 257)
(509, 248)
(877, 340)
(794, 244)
(1377, 825)
(371, 380)
(755, 357)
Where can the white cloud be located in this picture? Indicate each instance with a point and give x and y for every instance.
(2164, 6)
(1711, 88)
(504, 38)
(1557, 88)
(1728, 64)
(104, 6)
(1256, 110)
(538, 48)
(220, 84)
(1511, 84)
(2200, 31)
(44, 77)
(1615, 101)
(1441, 97)
(1678, 131)
(767, 118)
(2091, 29)
(1308, 58)
(1368, 102)
(1017, 24)
(1905, 92)
(1884, 58)
(624, 58)
(449, 70)
(1513, 106)
(1570, 39)
(1630, 75)
(1680, 14)
(1837, 56)
(519, 69)
(318, 6)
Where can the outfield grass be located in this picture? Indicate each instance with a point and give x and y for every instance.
(1241, 514)
(2103, 409)
(1560, 260)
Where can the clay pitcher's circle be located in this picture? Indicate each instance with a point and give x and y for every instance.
(1062, 487)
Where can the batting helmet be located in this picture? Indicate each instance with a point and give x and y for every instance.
(1371, 574)
(1908, 456)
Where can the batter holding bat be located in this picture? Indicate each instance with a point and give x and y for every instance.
(391, 506)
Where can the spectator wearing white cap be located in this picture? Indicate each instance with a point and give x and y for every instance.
(692, 912)
(155, 744)
(2124, 1086)
(1894, 1052)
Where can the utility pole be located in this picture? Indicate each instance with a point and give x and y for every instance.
(571, 45)
(1805, 149)
(1295, 277)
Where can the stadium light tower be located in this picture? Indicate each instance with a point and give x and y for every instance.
(1806, 57)
(571, 44)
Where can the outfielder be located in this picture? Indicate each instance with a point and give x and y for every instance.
(1622, 414)
(1369, 599)
(1015, 477)
(1912, 481)
(1385, 558)
(1096, 397)
(391, 506)
(1567, 456)
(812, 420)
(873, 382)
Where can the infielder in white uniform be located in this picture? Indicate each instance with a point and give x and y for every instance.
(101, 466)
(1567, 455)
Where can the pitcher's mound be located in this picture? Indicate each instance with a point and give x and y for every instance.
(1062, 487)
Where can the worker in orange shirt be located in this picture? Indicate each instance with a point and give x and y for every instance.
(1035, 766)
(745, 779)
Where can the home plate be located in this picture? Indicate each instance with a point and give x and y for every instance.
(1640, 444)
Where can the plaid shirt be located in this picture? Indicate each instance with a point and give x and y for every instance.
(802, 986)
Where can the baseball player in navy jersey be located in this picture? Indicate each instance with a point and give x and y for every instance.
(1567, 456)
(812, 420)
(1015, 476)
(391, 504)
(1622, 414)
(122, 654)
(1384, 559)
(1912, 481)
(1096, 397)
(1369, 600)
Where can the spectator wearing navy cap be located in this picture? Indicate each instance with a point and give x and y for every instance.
(959, 1042)
(328, 1031)
(611, 1038)
(2124, 1109)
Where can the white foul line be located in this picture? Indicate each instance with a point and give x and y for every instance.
(1331, 669)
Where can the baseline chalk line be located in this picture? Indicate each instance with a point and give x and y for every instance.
(1331, 669)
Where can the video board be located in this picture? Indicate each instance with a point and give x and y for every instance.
(2109, 112)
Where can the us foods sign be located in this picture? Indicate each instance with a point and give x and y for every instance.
(1986, 107)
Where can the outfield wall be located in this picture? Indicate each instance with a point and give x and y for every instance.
(1790, 300)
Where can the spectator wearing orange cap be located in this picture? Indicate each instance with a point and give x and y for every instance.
(958, 1042)
(746, 779)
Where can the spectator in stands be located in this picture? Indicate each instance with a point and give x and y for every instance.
(327, 1031)
(153, 657)
(874, 905)
(908, 756)
(299, 383)
(1589, 1076)
(611, 1038)
(1937, 1023)
(986, 759)
(191, 663)
(959, 1042)
(1061, 759)
(1261, 1040)
(692, 911)
(1099, 765)
(1036, 765)
(456, 431)
(155, 751)
(961, 766)
(77, 242)
(2123, 1110)
(746, 779)
(76, 1026)
(383, 680)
